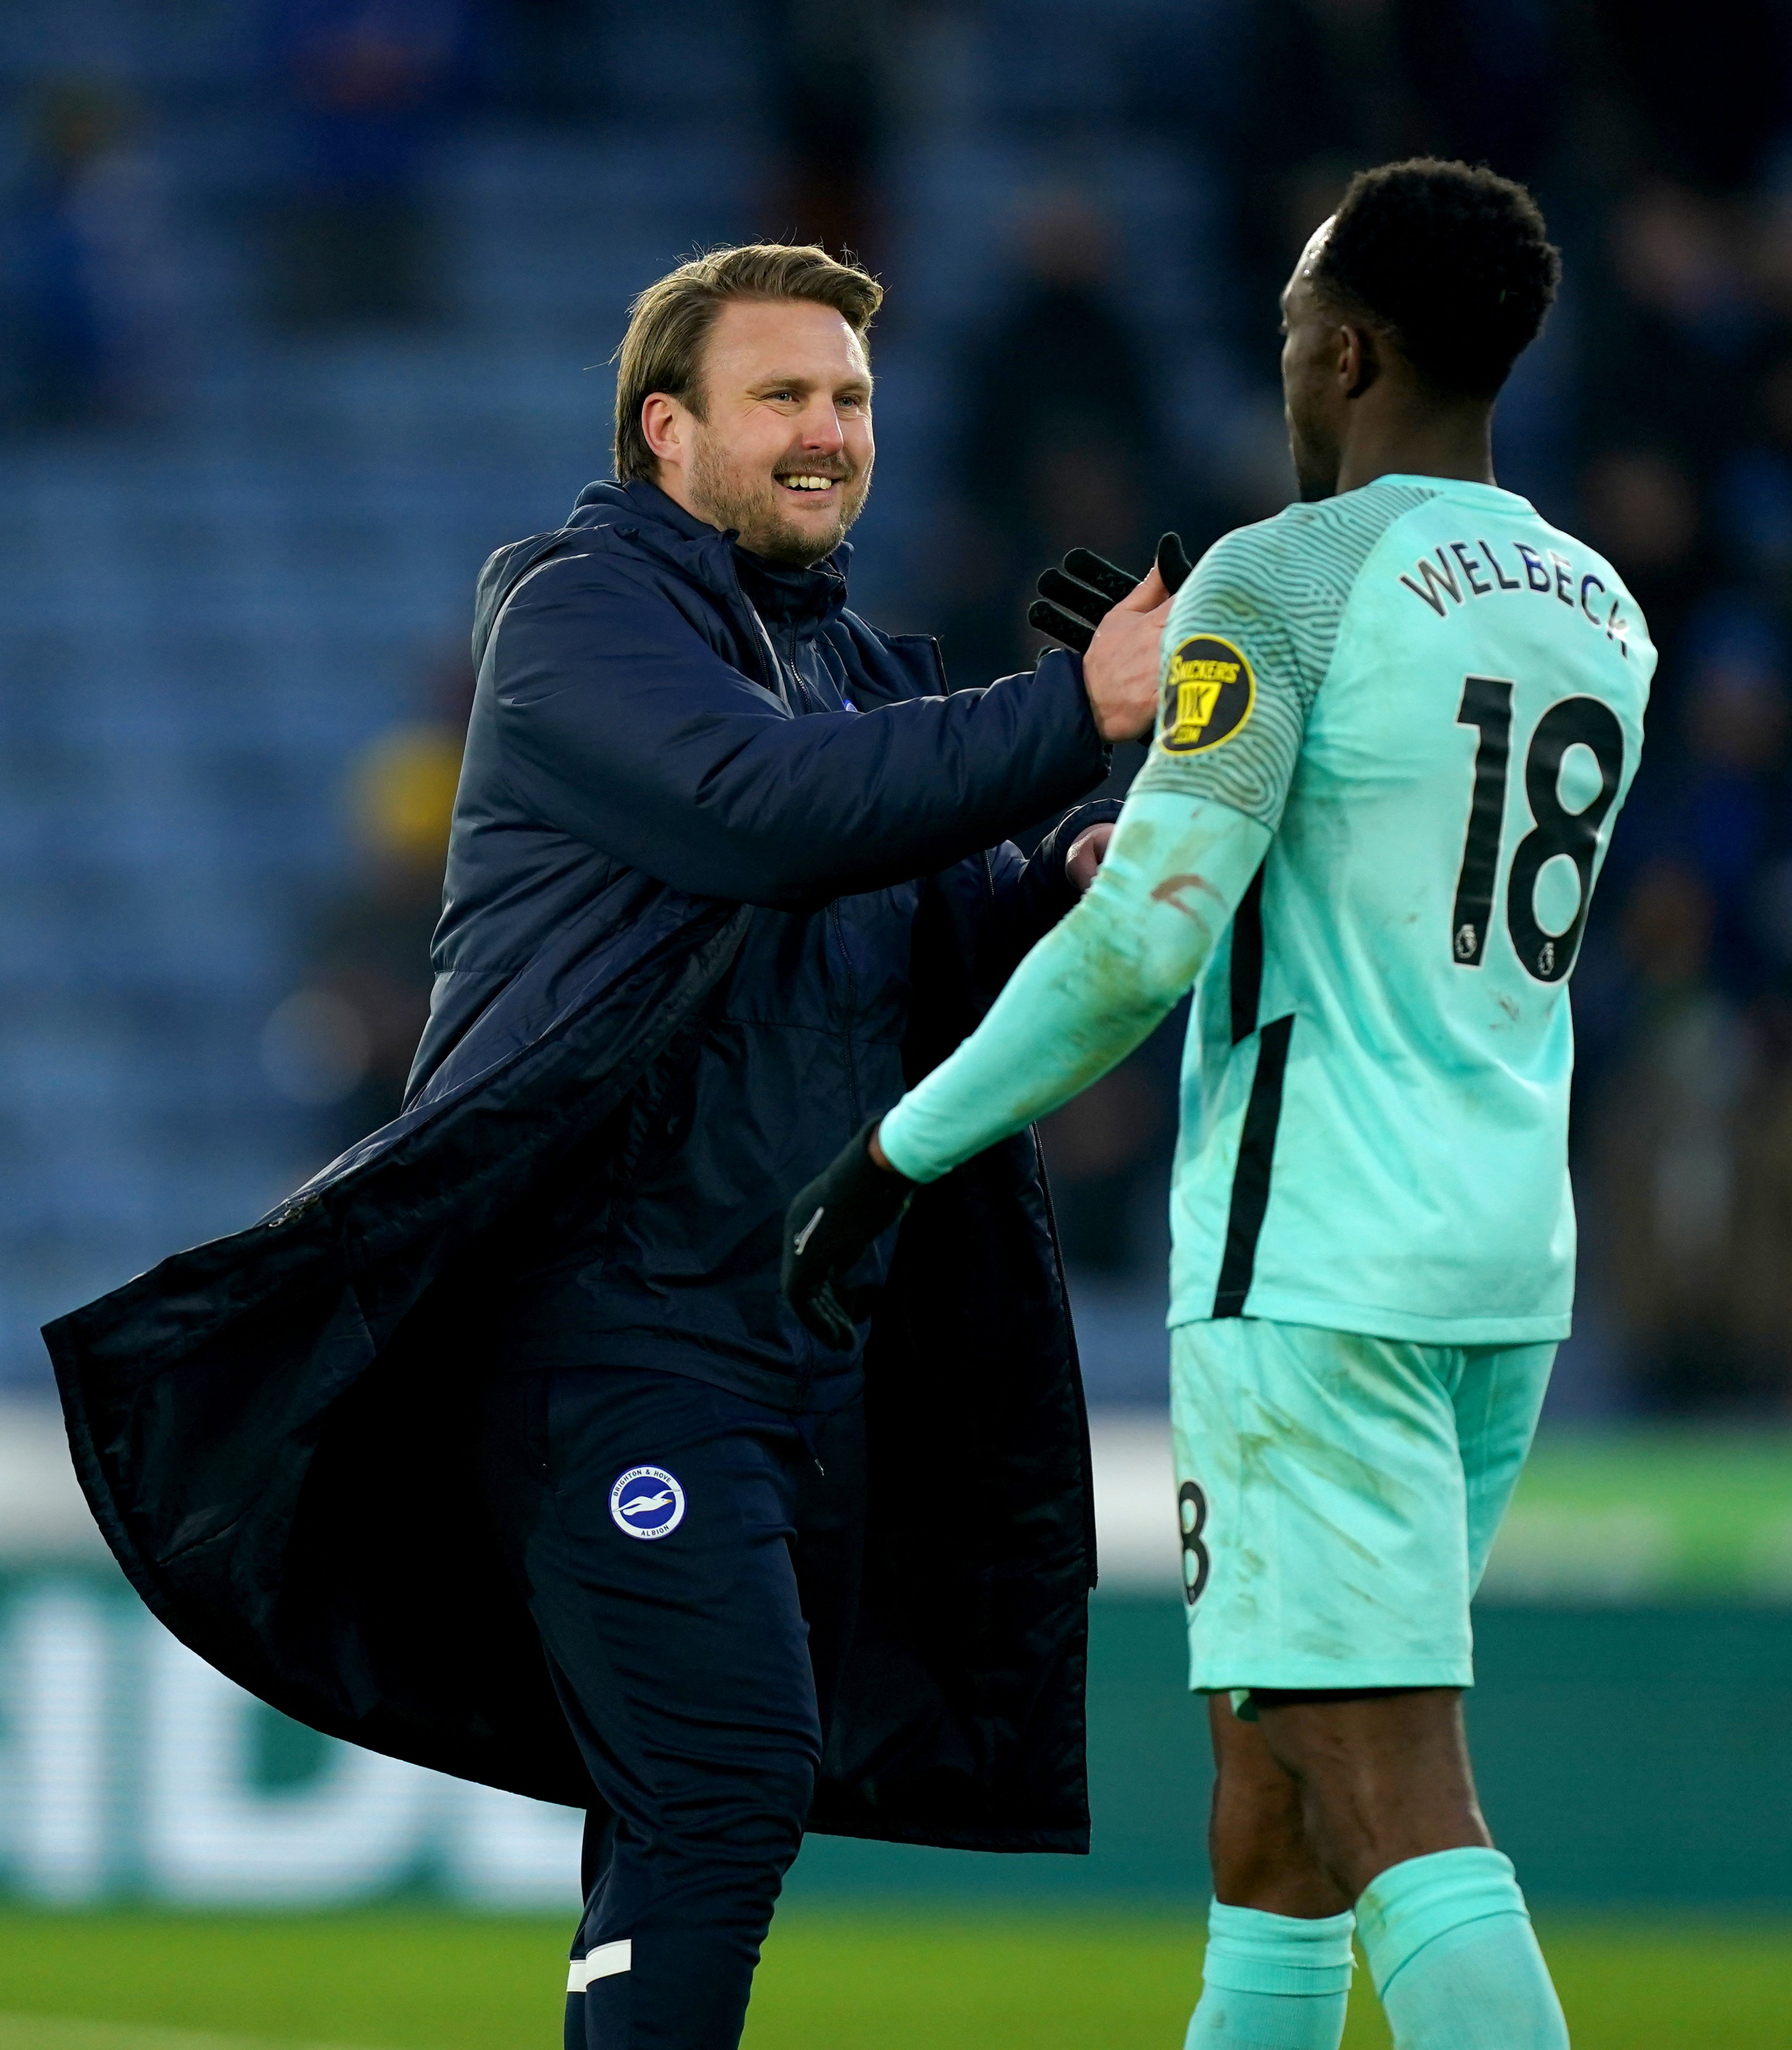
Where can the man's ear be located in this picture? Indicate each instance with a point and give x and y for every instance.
(1359, 360)
(665, 424)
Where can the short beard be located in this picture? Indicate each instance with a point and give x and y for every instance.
(753, 511)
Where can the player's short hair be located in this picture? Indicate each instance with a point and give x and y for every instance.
(1451, 260)
(662, 350)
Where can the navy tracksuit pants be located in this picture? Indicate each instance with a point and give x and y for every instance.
(691, 1560)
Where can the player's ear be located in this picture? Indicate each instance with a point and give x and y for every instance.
(663, 426)
(1359, 362)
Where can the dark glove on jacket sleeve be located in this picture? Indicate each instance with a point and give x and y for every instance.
(1034, 894)
(621, 724)
(829, 1228)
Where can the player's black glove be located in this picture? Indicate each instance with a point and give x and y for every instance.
(1073, 601)
(829, 1227)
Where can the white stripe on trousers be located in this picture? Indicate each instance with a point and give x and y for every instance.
(602, 1963)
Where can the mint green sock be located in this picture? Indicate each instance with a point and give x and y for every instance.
(1271, 1982)
(1453, 1956)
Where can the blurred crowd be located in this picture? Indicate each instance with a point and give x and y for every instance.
(1655, 420)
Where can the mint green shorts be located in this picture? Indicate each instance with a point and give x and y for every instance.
(1339, 1497)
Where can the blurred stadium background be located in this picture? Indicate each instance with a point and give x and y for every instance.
(306, 307)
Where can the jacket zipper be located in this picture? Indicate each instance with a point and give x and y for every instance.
(851, 1011)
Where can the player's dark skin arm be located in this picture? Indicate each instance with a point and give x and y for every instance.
(1319, 1795)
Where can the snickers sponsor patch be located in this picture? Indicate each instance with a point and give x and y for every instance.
(1208, 693)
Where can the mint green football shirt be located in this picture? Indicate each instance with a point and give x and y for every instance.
(1434, 700)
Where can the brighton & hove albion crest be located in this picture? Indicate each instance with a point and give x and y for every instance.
(647, 1502)
(1208, 693)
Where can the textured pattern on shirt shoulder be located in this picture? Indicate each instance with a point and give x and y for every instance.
(1274, 594)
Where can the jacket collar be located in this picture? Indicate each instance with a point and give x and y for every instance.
(798, 597)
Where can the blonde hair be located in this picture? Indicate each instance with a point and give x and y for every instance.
(662, 350)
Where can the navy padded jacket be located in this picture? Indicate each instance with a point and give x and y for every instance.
(656, 708)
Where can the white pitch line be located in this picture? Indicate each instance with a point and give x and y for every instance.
(52, 2031)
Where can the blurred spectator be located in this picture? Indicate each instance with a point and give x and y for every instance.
(343, 1042)
(1333, 85)
(1761, 1279)
(88, 249)
(1715, 796)
(1678, 333)
(1666, 1155)
(544, 57)
(1708, 92)
(1482, 83)
(828, 74)
(1739, 808)
(1059, 443)
(366, 83)
(1327, 93)
(1754, 489)
(1641, 508)
(1329, 86)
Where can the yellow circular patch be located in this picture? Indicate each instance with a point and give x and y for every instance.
(1208, 693)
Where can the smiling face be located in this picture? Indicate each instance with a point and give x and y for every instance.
(783, 453)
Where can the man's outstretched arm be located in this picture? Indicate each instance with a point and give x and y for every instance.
(621, 725)
(1089, 993)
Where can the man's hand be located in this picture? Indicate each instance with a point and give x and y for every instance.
(1120, 671)
(829, 1228)
(1087, 851)
(1116, 622)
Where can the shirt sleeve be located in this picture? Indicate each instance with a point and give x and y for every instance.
(1093, 988)
(1235, 691)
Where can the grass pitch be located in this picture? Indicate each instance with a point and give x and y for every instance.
(900, 1979)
